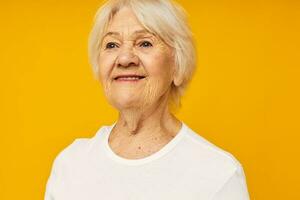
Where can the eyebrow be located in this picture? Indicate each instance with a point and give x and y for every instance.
(135, 33)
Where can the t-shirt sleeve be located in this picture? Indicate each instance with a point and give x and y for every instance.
(235, 188)
(52, 180)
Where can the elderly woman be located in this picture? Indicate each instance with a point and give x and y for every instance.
(142, 53)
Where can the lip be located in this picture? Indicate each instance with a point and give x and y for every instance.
(129, 80)
(117, 78)
(128, 75)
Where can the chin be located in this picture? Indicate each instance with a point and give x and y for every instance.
(130, 100)
(123, 103)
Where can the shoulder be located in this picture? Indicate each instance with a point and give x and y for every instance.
(209, 156)
(79, 148)
(210, 162)
(78, 151)
(72, 152)
(207, 147)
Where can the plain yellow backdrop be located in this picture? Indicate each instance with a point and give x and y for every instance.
(244, 96)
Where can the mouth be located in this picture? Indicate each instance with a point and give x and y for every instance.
(129, 78)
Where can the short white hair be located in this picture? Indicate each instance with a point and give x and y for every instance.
(166, 19)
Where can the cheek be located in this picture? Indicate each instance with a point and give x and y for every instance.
(106, 63)
(160, 67)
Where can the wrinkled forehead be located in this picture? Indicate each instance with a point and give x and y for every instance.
(125, 23)
(132, 34)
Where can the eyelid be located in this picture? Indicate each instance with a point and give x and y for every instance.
(140, 41)
(106, 43)
(143, 41)
(108, 39)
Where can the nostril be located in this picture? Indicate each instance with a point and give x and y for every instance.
(127, 60)
(120, 64)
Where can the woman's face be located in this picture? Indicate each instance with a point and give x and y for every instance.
(129, 49)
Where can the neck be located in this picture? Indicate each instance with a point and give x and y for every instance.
(151, 120)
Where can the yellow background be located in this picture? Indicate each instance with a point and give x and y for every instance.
(244, 96)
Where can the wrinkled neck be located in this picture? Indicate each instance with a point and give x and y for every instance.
(147, 120)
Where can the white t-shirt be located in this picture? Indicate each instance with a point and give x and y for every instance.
(189, 167)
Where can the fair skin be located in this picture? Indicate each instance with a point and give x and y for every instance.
(145, 123)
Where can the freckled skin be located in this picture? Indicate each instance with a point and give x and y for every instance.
(145, 124)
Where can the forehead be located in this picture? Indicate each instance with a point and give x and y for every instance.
(123, 22)
(123, 18)
(134, 34)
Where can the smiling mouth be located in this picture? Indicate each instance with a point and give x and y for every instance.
(129, 78)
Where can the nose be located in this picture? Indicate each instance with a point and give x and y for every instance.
(127, 58)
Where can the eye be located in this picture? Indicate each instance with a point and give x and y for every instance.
(145, 44)
(111, 45)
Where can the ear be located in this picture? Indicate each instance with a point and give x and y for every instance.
(177, 75)
(178, 78)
